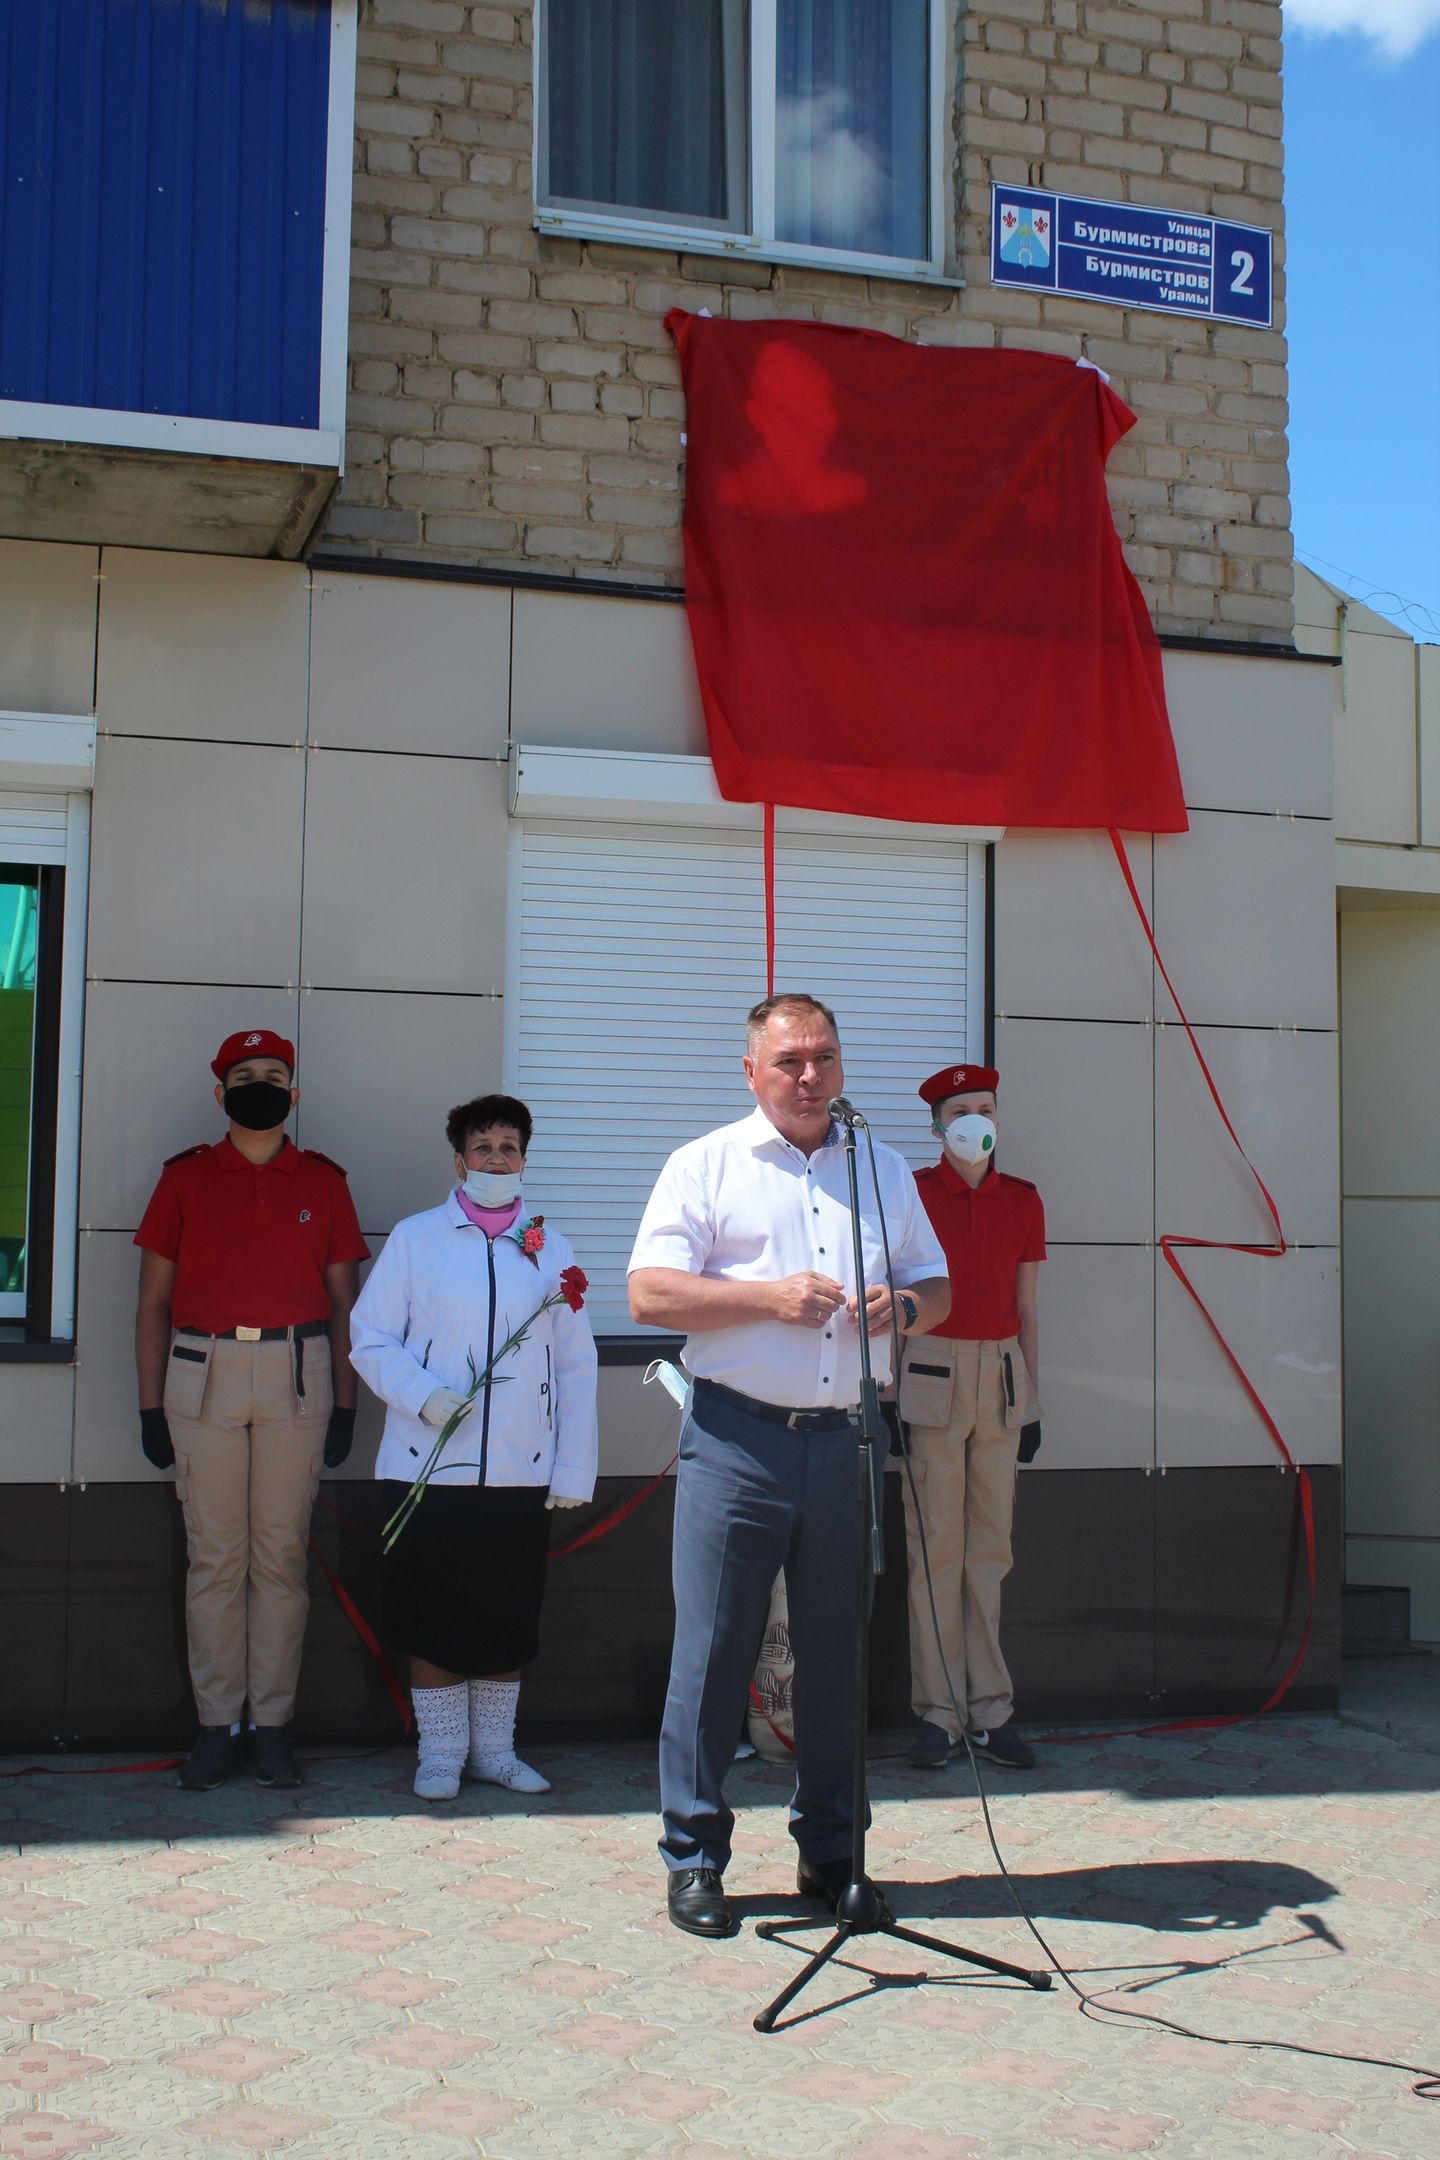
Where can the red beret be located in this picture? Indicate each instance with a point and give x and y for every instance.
(251, 1043)
(959, 1080)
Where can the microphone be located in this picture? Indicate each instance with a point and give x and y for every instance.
(841, 1107)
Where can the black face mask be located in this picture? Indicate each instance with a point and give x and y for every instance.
(258, 1105)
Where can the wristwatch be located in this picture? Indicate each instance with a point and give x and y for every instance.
(909, 1308)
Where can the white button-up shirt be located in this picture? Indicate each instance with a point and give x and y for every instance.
(744, 1205)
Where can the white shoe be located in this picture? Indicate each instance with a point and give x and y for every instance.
(436, 1781)
(514, 1775)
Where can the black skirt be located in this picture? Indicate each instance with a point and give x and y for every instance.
(465, 1579)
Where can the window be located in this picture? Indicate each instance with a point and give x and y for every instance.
(47, 764)
(636, 950)
(19, 939)
(796, 130)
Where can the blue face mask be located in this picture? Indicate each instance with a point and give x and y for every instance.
(492, 1188)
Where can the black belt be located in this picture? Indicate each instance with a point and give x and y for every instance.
(774, 1413)
(302, 1332)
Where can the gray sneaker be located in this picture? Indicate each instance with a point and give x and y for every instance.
(932, 1747)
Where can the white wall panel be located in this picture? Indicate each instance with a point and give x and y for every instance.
(1097, 1358)
(1253, 734)
(1245, 918)
(209, 647)
(615, 673)
(37, 1423)
(47, 627)
(1392, 1366)
(1068, 943)
(1375, 791)
(1282, 1095)
(406, 664)
(1282, 1318)
(1390, 1049)
(404, 873)
(1076, 1107)
(196, 862)
(107, 1417)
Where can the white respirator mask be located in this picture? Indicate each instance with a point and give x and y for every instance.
(492, 1188)
(971, 1139)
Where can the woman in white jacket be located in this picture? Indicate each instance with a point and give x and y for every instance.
(465, 1578)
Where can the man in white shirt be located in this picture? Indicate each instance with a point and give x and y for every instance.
(746, 1248)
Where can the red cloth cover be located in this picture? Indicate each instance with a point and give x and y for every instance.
(905, 589)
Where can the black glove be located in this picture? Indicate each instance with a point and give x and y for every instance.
(1030, 1441)
(339, 1437)
(155, 1439)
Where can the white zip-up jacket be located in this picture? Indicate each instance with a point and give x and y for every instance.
(442, 1292)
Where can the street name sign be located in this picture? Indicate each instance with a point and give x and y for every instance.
(1129, 256)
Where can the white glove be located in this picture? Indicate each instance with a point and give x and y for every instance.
(562, 1500)
(440, 1407)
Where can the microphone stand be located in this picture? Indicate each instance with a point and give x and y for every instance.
(859, 1911)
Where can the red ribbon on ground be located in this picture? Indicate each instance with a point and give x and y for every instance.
(1171, 1246)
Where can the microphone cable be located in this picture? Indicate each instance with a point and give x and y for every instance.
(1089, 2005)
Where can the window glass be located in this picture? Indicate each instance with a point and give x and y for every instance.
(851, 149)
(646, 105)
(18, 925)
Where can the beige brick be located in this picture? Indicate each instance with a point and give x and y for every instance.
(768, 306)
(390, 266)
(1009, 69)
(1130, 25)
(345, 523)
(574, 397)
(405, 47)
(1092, 116)
(1237, 405)
(487, 424)
(1207, 39)
(1208, 171)
(470, 203)
(636, 474)
(495, 23)
(426, 379)
(532, 318)
(383, 155)
(523, 390)
(533, 463)
(1006, 104)
(577, 543)
(498, 281)
(660, 438)
(1205, 105)
(1246, 145)
(437, 15)
(474, 388)
(437, 491)
(480, 57)
(1172, 128)
(531, 499)
(492, 533)
(438, 236)
(387, 116)
(581, 360)
(1134, 94)
(439, 161)
(653, 550)
(1212, 368)
(631, 508)
(483, 348)
(627, 398)
(597, 287)
(1210, 502)
(584, 431)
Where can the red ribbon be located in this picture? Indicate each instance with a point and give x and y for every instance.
(769, 849)
(604, 1524)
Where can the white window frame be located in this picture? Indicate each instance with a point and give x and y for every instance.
(47, 765)
(761, 244)
(323, 445)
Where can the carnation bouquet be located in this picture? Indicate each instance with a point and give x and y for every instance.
(571, 1292)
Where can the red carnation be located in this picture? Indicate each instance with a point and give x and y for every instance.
(573, 1285)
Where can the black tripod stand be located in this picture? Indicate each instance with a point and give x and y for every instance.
(859, 1909)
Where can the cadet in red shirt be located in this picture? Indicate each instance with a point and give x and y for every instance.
(249, 1266)
(969, 1399)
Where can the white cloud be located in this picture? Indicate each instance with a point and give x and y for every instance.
(1398, 27)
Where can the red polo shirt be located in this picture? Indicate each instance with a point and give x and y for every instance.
(986, 1230)
(250, 1245)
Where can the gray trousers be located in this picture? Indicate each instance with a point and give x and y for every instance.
(753, 1497)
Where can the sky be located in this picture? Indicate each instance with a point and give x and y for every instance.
(1362, 199)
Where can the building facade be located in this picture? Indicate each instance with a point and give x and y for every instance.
(419, 776)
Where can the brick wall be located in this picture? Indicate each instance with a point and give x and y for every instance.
(514, 399)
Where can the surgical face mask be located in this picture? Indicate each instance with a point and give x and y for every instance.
(258, 1105)
(970, 1139)
(492, 1188)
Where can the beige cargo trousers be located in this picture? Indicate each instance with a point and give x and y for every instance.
(248, 1451)
(964, 1404)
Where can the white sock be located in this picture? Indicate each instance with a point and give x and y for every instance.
(491, 1714)
(442, 1721)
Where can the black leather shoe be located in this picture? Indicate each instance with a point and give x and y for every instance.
(272, 1759)
(696, 1900)
(216, 1755)
(827, 1881)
